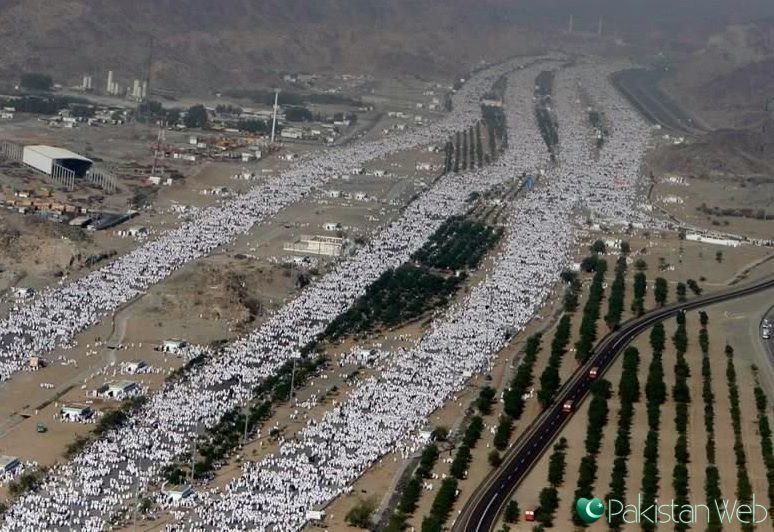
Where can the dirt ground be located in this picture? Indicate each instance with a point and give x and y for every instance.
(721, 322)
(216, 298)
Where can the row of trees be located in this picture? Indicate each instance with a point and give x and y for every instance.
(412, 491)
(219, 442)
(661, 291)
(548, 499)
(550, 380)
(45, 104)
(711, 473)
(591, 311)
(111, 420)
(462, 457)
(656, 394)
(466, 149)
(628, 393)
(458, 244)
(765, 432)
(447, 493)
(640, 289)
(522, 380)
(442, 505)
(682, 397)
(615, 303)
(571, 291)
(744, 491)
(397, 296)
(597, 420)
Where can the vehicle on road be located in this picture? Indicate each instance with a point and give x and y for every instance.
(593, 373)
(567, 406)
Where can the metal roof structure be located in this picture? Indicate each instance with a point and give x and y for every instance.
(54, 152)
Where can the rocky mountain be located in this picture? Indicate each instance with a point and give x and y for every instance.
(204, 44)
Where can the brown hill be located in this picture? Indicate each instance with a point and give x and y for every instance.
(206, 44)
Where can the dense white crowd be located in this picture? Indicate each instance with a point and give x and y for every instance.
(56, 316)
(382, 413)
(81, 493)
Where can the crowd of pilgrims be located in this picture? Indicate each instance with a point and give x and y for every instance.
(55, 317)
(383, 413)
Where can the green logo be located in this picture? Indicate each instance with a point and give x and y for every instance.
(590, 510)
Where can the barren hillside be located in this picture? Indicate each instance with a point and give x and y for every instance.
(207, 44)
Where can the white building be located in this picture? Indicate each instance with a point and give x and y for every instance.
(45, 158)
(8, 464)
(176, 493)
(173, 346)
(76, 413)
(328, 246)
(119, 389)
(23, 292)
(134, 367)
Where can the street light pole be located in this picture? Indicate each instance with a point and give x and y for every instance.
(292, 380)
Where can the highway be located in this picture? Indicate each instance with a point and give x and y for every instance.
(481, 512)
(640, 87)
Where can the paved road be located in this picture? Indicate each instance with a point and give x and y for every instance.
(768, 345)
(640, 87)
(480, 513)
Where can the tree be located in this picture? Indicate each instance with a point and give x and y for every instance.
(494, 458)
(360, 514)
(640, 265)
(485, 400)
(35, 81)
(298, 114)
(681, 291)
(598, 246)
(503, 432)
(196, 117)
(719, 256)
(625, 247)
(512, 512)
(440, 433)
(661, 291)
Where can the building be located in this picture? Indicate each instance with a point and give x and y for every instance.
(175, 493)
(173, 346)
(23, 292)
(76, 413)
(36, 363)
(135, 366)
(8, 464)
(47, 158)
(315, 516)
(119, 389)
(328, 246)
(80, 221)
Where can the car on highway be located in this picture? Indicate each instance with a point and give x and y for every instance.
(567, 406)
(593, 373)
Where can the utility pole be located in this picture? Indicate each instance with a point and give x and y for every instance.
(292, 379)
(193, 460)
(274, 117)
